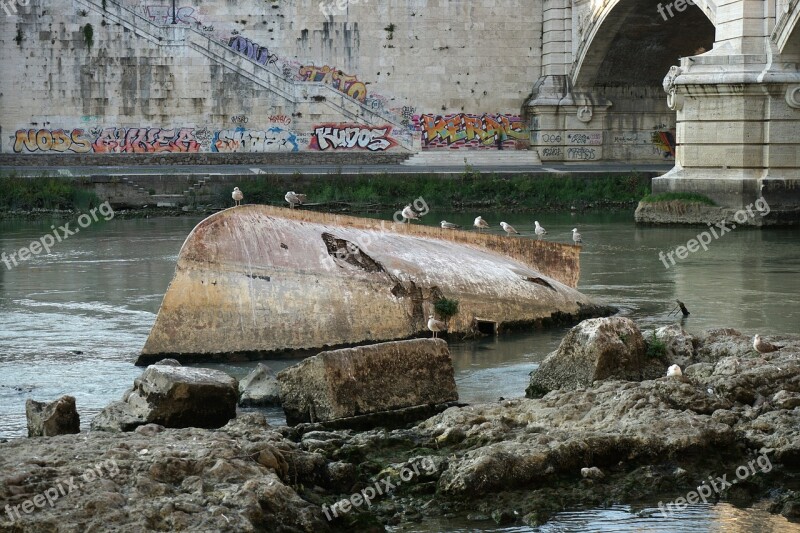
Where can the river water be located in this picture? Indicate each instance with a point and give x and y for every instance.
(72, 321)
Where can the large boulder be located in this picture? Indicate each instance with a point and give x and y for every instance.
(368, 379)
(260, 388)
(677, 343)
(55, 418)
(596, 349)
(175, 397)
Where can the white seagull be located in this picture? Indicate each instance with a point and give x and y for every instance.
(449, 225)
(237, 196)
(480, 223)
(762, 346)
(540, 231)
(436, 326)
(294, 198)
(409, 214)
(576, 237)
(509, 228)
(674, 370)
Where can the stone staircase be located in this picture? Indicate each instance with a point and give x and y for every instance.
(476, 158)
(266, 76)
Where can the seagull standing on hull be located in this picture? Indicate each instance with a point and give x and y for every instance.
(449, 225)
(409, 214)
(576, 237)
(540, 231)
(480, 223)
(237, 196)
(436, 326)
(509, 228)
(294, 198)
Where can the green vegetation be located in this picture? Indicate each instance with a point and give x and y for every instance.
(44, 193)
(678, 196)
(471, 189)
(656, 349)
(446, 308)
(88, 35)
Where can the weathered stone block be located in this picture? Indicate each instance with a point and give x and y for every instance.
(260, 388)
(56, 418)
(368, 379)
(175, 397)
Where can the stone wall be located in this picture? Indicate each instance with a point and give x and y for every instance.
(95, 76)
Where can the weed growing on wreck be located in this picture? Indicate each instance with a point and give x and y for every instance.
(446, 308)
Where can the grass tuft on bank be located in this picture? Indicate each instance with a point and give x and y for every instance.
(27, 194)
(689, 197)
(471, 189)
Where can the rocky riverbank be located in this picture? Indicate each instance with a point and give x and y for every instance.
(731, 417)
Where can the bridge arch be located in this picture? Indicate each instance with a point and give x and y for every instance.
(787, 31)
(643, 38)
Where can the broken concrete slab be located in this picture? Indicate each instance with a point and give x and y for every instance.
(366, 380)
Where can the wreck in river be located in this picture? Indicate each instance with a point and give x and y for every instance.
(257, 280)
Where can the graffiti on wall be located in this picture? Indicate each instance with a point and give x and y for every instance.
(660, 143)
(145, 140)
(108, 140)
(665, 142)
(470, 131)
(280, 119)
(351, 136)
(259, 54)
(45, 140)
(345, 83)
(163, 14)
(243, 140)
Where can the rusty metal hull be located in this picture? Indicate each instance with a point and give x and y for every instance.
(254, 280)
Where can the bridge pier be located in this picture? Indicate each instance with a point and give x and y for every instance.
(738, 132)
(730, 121)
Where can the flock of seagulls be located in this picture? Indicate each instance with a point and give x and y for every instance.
(409, 215)
(291, 197)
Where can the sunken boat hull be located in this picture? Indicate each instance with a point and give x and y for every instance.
(257, 280)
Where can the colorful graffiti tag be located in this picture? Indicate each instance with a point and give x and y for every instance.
(665, 142)
(351, 136)
(108, 140)
(44, 140)
(470, 131)
(256, 52)
(340, 81)
(145, 140)
(242, 140)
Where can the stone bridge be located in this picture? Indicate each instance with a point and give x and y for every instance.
(713, 84)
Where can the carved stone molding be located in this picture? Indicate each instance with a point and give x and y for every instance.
(793, 96)
(674, 100)
(585, 113)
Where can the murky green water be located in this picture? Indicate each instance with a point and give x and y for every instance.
(72, 321)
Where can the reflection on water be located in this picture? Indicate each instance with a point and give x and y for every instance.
(719, 518)
(73, 321)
